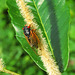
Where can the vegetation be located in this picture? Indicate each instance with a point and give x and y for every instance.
(12, 53)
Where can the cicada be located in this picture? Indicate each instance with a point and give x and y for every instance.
(31, 36)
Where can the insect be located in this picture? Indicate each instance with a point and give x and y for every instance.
(31, 36)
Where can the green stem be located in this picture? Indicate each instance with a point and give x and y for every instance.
(9, 72)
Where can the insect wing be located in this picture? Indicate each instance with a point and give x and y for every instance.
(34, 39)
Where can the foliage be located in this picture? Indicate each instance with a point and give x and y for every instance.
(15, 58)
(54, 27)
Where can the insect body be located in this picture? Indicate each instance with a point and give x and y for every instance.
(27, 32)
(31, 36)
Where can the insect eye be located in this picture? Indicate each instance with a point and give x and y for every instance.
(28, 27)
(22, 28)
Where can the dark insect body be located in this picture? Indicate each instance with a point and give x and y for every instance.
(31, 36)
(27, 31)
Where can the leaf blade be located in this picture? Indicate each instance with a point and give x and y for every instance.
(51, 24)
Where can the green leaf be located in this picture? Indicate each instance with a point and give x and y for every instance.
(52, 16)
(72, 45)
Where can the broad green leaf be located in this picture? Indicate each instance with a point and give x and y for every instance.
(52, 16)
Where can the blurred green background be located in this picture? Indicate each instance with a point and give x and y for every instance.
(15, 58)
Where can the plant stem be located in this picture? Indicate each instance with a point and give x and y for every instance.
(9, 72)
